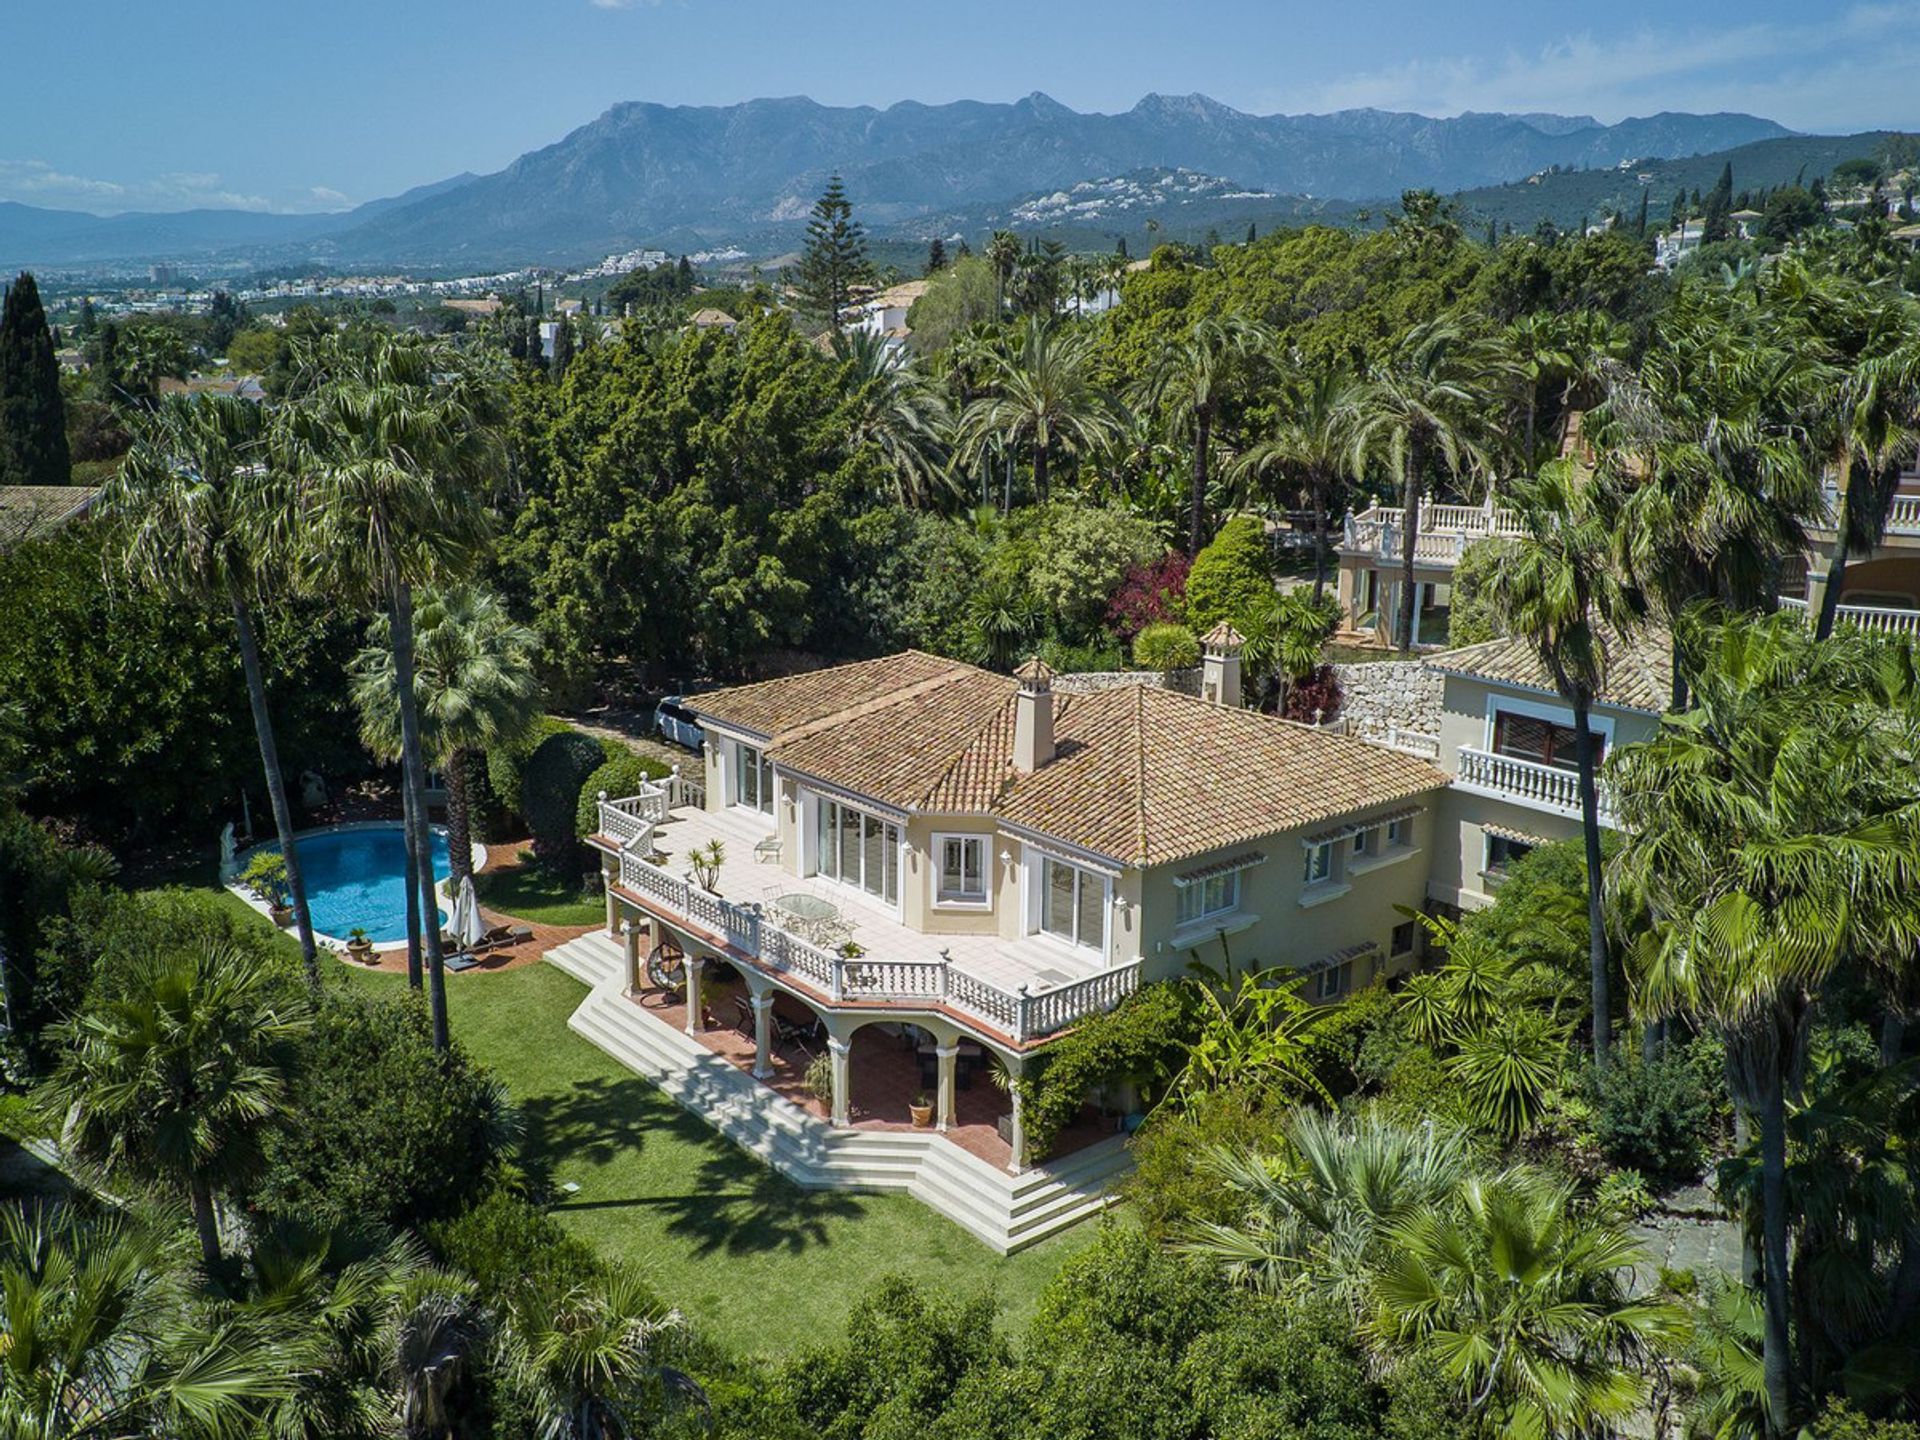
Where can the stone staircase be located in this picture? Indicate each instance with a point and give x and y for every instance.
(1005, 1211)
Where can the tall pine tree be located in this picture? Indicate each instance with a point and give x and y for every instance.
(33, 421)
(836, 256)
(936, 255)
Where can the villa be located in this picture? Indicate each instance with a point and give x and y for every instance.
(929, 870)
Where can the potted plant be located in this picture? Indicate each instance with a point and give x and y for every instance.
(706, 861)
(266, 877)
(359, 945)
(852, 950)
(819, 1079)
(921, 1109)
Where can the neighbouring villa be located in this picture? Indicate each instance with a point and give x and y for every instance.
(1879, 592)
(929, 872)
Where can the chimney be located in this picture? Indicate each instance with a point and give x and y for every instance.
(1220, 664)
(1033, 716)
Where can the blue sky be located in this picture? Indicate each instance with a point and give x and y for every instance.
(316, 104)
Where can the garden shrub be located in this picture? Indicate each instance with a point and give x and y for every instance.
(1287, 1367)
(1169, 1187)
(1141, 1041)
(1165, 645)
(1471, 618)
(510, 1246)
(620, 777)
(1077, 555)
(550, 795)
(386, 1132)
(1654, 1116)
(1149, 595)
(1841, 1421)
(1102, 654)
(1315, 698)
(1230, 575)
(507, 762)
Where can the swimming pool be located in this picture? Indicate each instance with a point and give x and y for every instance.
(356, 876)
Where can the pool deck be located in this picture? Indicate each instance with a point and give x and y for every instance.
(505, 957)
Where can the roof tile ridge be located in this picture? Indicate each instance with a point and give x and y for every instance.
(871, 705)
(1140, 772)
(979, 734)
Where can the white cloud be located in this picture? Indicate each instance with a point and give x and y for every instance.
(35, 182)
(1853, 71)
(325, 195)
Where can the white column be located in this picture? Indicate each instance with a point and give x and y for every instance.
(694, 966)
(943, 1101)
(613, 907)
(1416, 612)
(630, 938)
(1018, 1163)
(839, 1049)
(762, 1035)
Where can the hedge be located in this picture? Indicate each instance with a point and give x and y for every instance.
(550, 794)
(507, 763)
(619, 777)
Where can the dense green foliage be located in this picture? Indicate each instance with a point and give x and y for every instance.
(33, 426)
(617, 779)
(556, 775)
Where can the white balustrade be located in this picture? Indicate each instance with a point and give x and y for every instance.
(1544, 787)
(1445, 530)
(745, 931)
(1875, 619)
(1413, 742)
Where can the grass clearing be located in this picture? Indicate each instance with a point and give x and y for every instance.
(759, 1263)
(527, 892)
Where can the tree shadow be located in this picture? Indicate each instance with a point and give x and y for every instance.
(738, 1205)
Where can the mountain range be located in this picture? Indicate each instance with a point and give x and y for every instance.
(681, 177)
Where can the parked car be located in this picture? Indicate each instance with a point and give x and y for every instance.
(676, 723)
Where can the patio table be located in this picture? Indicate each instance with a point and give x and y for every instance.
(805, 914)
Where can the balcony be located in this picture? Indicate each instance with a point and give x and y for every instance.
(1378, 533)
(1874, 619)
(1025, 989)
(1525, 782)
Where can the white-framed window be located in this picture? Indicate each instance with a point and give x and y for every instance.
(753, 782)
(1320, 863)
(1330, 983)
(1216, 895)
(960, 872)
(1502, 851)
(1073, 904)
(1358, 845)
(1399, 832)
(857, 849)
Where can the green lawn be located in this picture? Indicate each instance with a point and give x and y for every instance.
(529, 893)
(758, 1262)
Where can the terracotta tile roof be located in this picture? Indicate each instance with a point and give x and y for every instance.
(1639, 669)
(1142, 775)
(1150, 776)
(37, 509)
(773, 707)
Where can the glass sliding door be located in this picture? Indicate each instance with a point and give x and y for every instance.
(1073, 904)
(858, 849)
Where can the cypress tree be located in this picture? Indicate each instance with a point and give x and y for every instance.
(835, 259)
(936, 255)
(1121, 248)
(562, 345)
(33, 421)
(1252, 234)
(1640, 225)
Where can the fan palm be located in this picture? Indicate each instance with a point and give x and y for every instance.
(188, 504)
(1427, 401)
(1191, 379)
(1041, 397)
(591, 1356)
(1325, 1206)
(394, 441)
(1559, 592)
(1307, 445)
(1769, 832)
(475, 688)
(100, 1340)
(899, 413)
(174, 1078)
(431, 1343)
(1522, 1297)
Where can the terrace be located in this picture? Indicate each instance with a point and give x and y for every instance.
(1019, 990)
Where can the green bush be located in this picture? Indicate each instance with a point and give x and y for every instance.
(1654, 1116)
(1166, 646)
(385, 1132)
(1169, 1188)
(510, 1246)
(550, 795)
(619, 777)
(1471, 618)
(1840, 1421)
(507, 763)
(1230, 576)
(1140, 1042)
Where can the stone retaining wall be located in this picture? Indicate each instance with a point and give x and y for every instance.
(1085, 682)
(1382, 695)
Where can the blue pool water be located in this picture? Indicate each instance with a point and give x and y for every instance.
(358, 877)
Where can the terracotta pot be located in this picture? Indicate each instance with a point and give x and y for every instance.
(361, 950)
(922, 1116)
(281, 915)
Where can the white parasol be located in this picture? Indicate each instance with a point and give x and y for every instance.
(466, 924)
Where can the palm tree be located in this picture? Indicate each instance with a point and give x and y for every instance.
(395, 445)
(1042, 397)
(1003, 254)
(1307, 445)
(1522, 1297)
(101, 1341)
(1429, 400)
(1191, 378)
(174, 1078)
(1326, 1206)
(189, 501)
(475, 688)
(1768, 833)
(1560, 593)
(899, 413)
(590, 1357)
(431, 1343)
